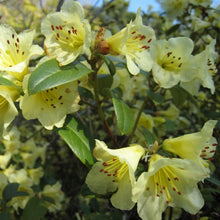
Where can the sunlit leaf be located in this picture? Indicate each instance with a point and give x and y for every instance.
(49, 74)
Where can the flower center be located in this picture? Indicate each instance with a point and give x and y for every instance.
(165, 183)
(52, 98)
(13, 54)
(72, 36)
(115, 169)
(137, 42)
(170, 62)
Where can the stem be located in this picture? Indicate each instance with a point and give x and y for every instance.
(137, 119)
(170, 213)
(99, 108)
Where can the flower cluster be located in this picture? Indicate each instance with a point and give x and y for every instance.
(23, 163)
(167, 182)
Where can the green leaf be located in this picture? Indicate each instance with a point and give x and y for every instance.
(79, 140)
(109, 64)
(179, 95)
(49, 74)
(213, 180)
(85, 93)
(124, 115)
(10, 191)
(34, 210)
(6, 82)
(155, 96)
(173, 29)
(170, 125)
(148, 136)
(104, 83)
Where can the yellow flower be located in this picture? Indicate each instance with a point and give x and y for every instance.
(54, 192)
(51, 106)
(196, 146)
(29, 153)
(4, 160)
(36, 174)
(168, 182)
(206, 70)
(133, 42)
(18, 176)
(67, 33)
(21, 201)
(173, 62)
(114, 171)
(173, 8)
(8, 110)
(16, 51)
(12, 141)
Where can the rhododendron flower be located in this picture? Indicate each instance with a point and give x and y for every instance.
(8, 110)
(67, 33)
(51, 106)
(115, 171)
(196, 146)
(16, 51)
(168, 182)
(4, 160)
(54, 192)
(173, 62)
(206, 70)
(36, 174)
(133, 42)
(173, 8)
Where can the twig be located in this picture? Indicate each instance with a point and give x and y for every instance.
(60, 3)
(137, 119)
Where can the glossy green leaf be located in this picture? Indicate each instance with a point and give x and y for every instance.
(109, 64)
(124, 115)
(148, 136)
(170, 126)
(79, 140)
(49, 74)
(85, 93)
(172, 29)
(6, 82)
(155, 96)
(11, 190)
(179, 95)
(214, 181)
(104, 83)
(34, 210)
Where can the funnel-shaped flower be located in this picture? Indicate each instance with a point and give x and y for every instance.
(168, 182)
(8, 110)
(67, 33)
(173, 62)
(195, 146)
(16, 51)
(115, 171)
(51, 106)
(206, 70)
(133, 42)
